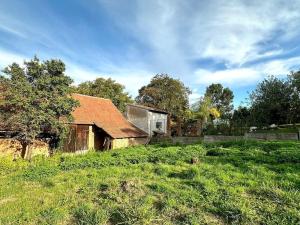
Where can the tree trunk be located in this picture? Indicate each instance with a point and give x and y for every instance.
(26, 150)
(199, 127)
(179, 127)
(169, 125)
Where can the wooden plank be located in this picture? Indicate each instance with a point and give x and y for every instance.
(82, 137)
(70, 142)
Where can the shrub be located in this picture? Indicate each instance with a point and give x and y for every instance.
(40, 172)
(186, 174)
(86, 215)
(49, 216)
(214, 152)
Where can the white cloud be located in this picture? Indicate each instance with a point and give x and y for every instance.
(7, 58)
(246, 76)
(169, 36)
(232, 77)
(133, 80)
(195, 96)
(231, 32)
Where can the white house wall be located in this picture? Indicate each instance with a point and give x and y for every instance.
(158, 117)
(138, 117)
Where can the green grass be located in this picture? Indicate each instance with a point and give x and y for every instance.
(231, 183)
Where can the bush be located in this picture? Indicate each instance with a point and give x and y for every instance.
(86, 215)
(49, 216)
(40, 172)
(186, 174)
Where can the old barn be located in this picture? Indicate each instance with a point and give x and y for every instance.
(99, 125)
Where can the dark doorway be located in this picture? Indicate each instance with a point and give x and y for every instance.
(99, 136)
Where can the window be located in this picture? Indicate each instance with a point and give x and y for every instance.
(158, 125)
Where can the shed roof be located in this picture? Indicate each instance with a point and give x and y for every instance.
(105, 115)
(149, 108)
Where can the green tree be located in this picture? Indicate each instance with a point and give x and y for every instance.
(241, 119)
(294, 82)
(204, 110)
(34, 99)
(271, 102)
(166, 93)
(106, 88)
(222, 99)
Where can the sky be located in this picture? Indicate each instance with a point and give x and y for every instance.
(236, 43)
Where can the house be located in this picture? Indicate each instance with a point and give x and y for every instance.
(99, 125)
(148, 119)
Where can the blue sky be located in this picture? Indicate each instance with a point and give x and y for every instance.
(236, 43)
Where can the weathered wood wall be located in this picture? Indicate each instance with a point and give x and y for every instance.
(77, 138)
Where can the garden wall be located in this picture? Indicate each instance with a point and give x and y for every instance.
(254, 136)
(186, 140)
(272, 136)
(13, 148)
(215, 138)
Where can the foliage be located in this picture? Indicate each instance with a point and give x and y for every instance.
(270, 102)
(222, 99)
(294, 83)
(214, 113)
(203, 111)
(86, 215)
(241, 120)
(241, 182)
(35, 97)
(106, 88)
(166, 93)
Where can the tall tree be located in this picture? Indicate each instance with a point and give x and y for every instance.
(34, 99)
(106, 88)
(222, 99)
(270, 102)
(294, 82)
(166, 93)
(241, 119)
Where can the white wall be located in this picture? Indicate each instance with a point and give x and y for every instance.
(158, 117)
(138, 117)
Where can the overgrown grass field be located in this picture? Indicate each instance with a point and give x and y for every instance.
(224, 183)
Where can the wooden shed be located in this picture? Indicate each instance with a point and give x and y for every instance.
(98, 124)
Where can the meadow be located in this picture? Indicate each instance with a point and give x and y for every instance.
(220, 183)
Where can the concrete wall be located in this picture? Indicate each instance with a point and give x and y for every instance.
(138, 117)
(158, 117)
(13, 148)
(187, 140)
(270, 136)
(215, 138)
(254, 136)
(127, 142)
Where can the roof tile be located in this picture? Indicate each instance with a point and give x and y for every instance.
(104, 114)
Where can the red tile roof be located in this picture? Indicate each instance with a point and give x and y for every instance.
(104, 114)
